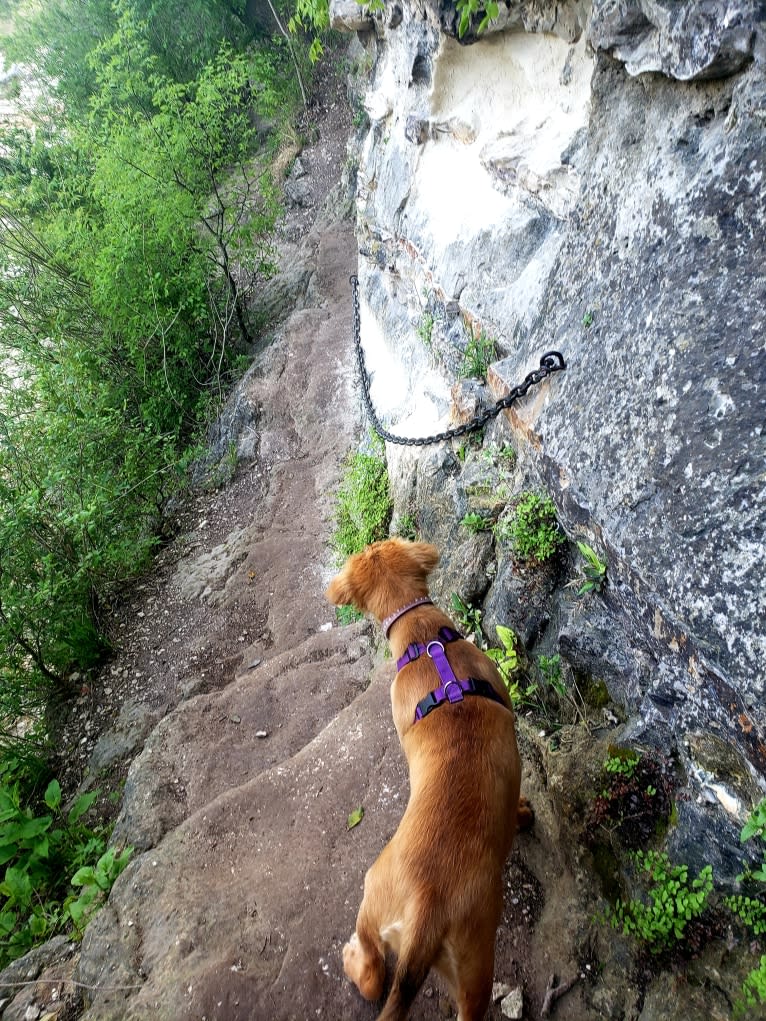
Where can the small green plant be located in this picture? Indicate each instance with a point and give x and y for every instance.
(406, 527)
(622, 764)
(532, 529)
(756, 827)
(347, 615)
(95, 881)
(587, 319)
(594, 570)
(754, 988)
(751, 910)
(426, 327)
(507, 456)
(467, 616)
(479, 354)
(673, 901)
(506, 658)
(524, 696)
(468, 8)
(550, 669)
(363, 504)
(475, 523)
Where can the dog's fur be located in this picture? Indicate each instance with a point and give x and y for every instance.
(434, 895)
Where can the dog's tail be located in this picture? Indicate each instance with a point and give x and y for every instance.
(415, 959)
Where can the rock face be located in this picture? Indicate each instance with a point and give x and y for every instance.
(542, 187)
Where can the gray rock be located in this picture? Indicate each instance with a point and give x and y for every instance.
(513, 1004)
(134, 723)
(622, 221)
(298, 191)
(687, 40)
(349, 16)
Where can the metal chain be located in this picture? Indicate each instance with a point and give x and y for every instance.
(551, 361)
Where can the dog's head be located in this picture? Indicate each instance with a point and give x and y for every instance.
(383, 576)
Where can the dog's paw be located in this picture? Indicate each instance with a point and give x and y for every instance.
(525, 815)
(367, 975)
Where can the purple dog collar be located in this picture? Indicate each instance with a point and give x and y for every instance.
(389, 622)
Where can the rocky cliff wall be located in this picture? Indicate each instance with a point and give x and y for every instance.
(591, 179)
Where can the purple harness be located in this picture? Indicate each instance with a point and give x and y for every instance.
(451, 689)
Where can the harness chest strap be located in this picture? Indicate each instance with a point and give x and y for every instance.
(451, 689)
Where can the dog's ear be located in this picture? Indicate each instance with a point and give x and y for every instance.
(339, 591)
(425, 556)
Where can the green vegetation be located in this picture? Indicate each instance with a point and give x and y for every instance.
(57, 870)
(347, 615)
(622, 763)
(426, 327)
(751, 909)
(475, 523)
(135, 232)
(506, 658)
(468, 617)
(468, 8)
(755, 828)
(587, 320)
(363, 504)
(135, 229)
(594, 571)
(479, 354)
(532, 528)
(551, 670)
(673, 902)
(406, 527)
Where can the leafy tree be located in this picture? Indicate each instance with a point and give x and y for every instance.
(128, 256)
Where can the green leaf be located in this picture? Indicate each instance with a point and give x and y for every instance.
(86, 876)
(81, 806)
(507, 637)
(53, 795)
(355, 818)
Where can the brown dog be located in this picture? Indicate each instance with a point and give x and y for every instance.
(434, 895)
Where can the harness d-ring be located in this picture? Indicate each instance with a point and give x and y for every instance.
(434, 642)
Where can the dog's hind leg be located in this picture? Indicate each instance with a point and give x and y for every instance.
(474, 982)
(364, 960)
(364, 964)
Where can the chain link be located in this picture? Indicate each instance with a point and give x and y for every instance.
(551, 361)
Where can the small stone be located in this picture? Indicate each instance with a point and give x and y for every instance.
(261, 733)
(512, 1005)
(500, 990)
(254, 664)
(235, 718)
